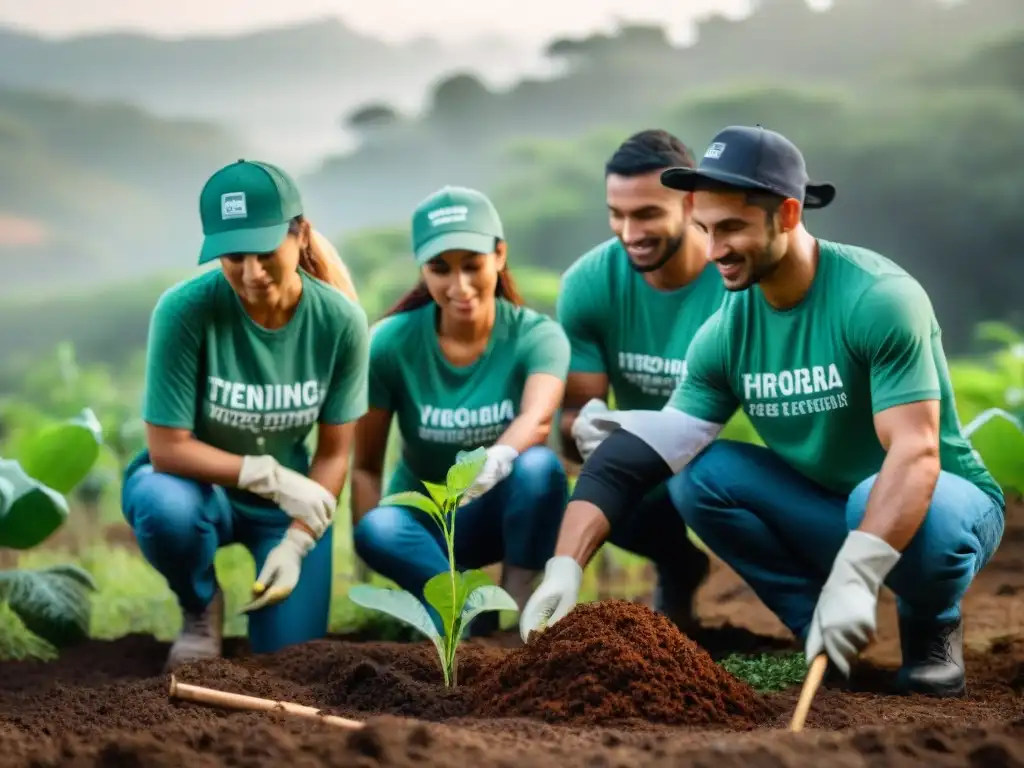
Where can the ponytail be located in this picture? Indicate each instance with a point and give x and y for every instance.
(320, 259)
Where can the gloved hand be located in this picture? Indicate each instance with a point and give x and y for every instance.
(845, 618)
(302, 499)
(587, 434)
(281, 569)
(497, 467)
(554, 597)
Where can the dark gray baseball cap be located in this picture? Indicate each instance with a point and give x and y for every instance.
(753, 158)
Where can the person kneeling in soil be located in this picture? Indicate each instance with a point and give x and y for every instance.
(462, 363)
(630, 307)
(835, 354)
(242, 362)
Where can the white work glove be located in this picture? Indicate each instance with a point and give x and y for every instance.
(587, 434)
(845, 618)
(281, 569)
(554, 597)
(497, 467)
(301, 499)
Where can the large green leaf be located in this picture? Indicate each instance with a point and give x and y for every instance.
(412, 499)
(29, 511)
(487, 598)
(61, 455)
(401, 605)
(53, 603)
(438, 592)
(464, 471)
(437, 492)
(999, 440)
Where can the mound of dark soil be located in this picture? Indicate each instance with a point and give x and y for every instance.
(613, 661)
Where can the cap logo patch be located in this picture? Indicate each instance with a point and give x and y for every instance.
(232, 206)
(451, 214)
(715, 150)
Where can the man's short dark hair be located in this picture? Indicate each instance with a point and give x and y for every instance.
(647, 151)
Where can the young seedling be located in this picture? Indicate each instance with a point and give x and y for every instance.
(458, 597)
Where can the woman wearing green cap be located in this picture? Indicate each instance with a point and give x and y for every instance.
(242, 363)
(462, 363)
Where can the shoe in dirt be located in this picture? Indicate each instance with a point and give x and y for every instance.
(933, 658)
(201, 635)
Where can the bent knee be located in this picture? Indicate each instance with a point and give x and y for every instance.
(158, 504)
(379, 529)
(539, 470)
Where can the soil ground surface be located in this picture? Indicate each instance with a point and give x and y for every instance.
(611, 685)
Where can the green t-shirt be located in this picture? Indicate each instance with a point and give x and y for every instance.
(249, 390)
(442, 408)
(620, 326)
(811, 378)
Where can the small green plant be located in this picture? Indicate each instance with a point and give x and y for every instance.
(458, 597)
(52, 603)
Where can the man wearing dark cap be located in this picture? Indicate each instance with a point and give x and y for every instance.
(835, 354)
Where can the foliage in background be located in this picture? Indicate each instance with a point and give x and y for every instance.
(51, 603)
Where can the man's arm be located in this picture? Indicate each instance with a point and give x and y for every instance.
(580, 313)
(902, 493)
(894, 332)
(648, 447)
(580, 388)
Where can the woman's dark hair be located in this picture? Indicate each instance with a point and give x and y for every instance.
(419, 296)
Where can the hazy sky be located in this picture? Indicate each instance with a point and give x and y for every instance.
(530, 21)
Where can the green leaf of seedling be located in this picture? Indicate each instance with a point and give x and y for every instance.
(464, 471)
(438, 592)
(437, 492)
(486, 598)
(403, 606)
(413, 499)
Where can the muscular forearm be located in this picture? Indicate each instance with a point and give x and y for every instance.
(366, 493)
(196, 460)
(526, 431)
(584, 529)
(902, 493)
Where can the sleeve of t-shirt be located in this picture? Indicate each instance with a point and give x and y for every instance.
(172, 360)
(704, 391)
(346, 398)
(547, 350)
(579, 312)
(380, 378)
(892, 331)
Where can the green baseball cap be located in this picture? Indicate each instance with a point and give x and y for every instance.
(246, 207)
(454, 218)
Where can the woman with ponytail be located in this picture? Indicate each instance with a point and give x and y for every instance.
(242, 363)
(462, 363)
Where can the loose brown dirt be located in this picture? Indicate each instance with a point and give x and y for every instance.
(610, 685)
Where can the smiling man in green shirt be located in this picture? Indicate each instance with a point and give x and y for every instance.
(630, 307)
(835, 354)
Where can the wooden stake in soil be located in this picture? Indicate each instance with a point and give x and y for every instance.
(200, 695)
(811, 683)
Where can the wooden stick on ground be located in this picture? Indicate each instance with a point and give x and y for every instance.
(811, 683)
(200, 695)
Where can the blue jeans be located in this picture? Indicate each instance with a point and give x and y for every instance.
(780, 532)
(180, 524)
(516, 522)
